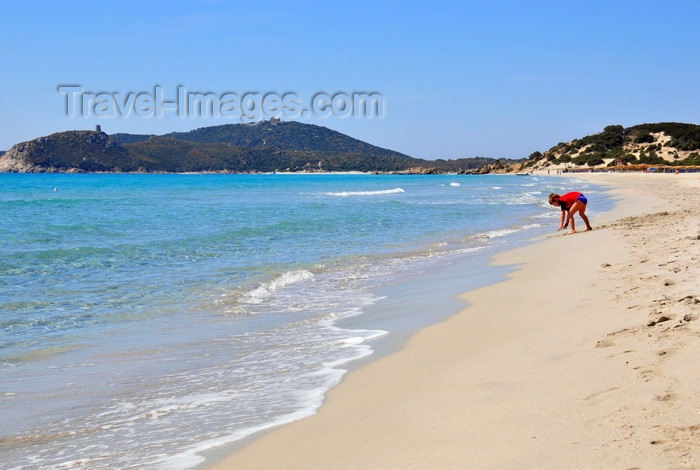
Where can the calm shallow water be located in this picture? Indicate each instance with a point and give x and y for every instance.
(146, 318)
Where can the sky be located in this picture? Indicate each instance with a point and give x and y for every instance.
(496, 78)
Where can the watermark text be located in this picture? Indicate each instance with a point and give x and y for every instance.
(245, 107)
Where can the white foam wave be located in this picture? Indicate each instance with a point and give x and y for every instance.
(523, 198)
(455, 184)
(365, 193)
(266, 289)
(545, 215)
(508, 231)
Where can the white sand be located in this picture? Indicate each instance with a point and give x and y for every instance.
(555, 368)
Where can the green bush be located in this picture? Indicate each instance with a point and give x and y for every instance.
(594, 159)
(628, 159)
(614, 153)
(683, 136)
(692, 159)
(644, 138)
(596, 147)
(614, 129)
(652, 159)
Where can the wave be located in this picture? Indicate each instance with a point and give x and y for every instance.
(521, 199)
(365, 193)
(38, 354)
(507, 231)
(266, 289)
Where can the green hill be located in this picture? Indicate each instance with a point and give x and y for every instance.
(175, 155)
(73, 151)
(289, 135)
(238, 148)
(665, 143)
(131, 138)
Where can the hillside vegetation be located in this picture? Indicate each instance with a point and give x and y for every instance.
(73, 151)
(271, 146)
(271, 134)
(237, 148)
(666, 143)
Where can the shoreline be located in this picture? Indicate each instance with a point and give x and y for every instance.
(210, 339)
(545, 376)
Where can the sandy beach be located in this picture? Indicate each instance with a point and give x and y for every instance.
(586, 357)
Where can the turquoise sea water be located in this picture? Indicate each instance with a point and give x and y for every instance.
(146, 318)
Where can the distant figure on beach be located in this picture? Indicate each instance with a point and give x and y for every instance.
(570, 204)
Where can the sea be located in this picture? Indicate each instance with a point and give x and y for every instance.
(149, 318)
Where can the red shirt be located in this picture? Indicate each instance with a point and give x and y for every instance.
(567, 200)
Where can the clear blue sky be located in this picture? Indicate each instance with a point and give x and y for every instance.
(458, 78)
